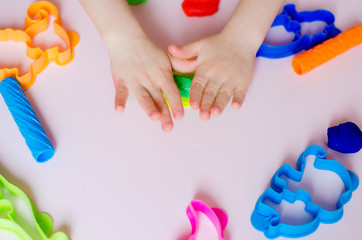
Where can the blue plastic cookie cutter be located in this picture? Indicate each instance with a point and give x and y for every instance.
(291, 20)
(345, 138)
(264, 218)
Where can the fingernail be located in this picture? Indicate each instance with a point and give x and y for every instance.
(216, 111)
(235, 105)
(178, 114)
(195, 105)
(119, 108)
(167, 126)
(155, 115)
(204, 115)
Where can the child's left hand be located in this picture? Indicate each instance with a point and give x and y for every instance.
(223, 66)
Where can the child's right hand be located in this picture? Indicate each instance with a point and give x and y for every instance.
(142, 70)
(139, 67)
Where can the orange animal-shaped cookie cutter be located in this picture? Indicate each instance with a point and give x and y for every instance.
(37, 21)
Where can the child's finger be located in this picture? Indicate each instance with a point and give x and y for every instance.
(165, 117)
(208, 99)
(187, 51)
(197, 88)
(120, 98)
(238, 96)
(173, 96)
(222, 98)
(146, 102)
(183, 65)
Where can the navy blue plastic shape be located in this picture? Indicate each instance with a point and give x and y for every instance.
(28, 123)
(345, 138)
(264, 218)
(291, 20)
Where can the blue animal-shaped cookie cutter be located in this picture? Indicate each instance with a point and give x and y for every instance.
(266, 219)
(291, 19)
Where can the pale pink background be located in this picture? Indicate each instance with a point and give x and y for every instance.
(120, 177)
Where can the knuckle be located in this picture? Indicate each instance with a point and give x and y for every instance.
(118, 81)
(171, 88)
(143, 98)
(143, 95)
(205, 106)
(210, 91)
(120, 89)
(226, 93)
(198, 83)
(241, 88)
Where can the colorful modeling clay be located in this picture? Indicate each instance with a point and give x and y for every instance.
(183, 83)
(37, 21)
(134, 2)
(345, 138)
(267, 219)
(200, 8)
(217, 216)
(328, 50)
(291, 20)
(27, 121)
(43, 223)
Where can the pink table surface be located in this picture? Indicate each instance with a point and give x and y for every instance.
(120, 177)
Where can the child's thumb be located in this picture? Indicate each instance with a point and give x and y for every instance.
(187, 51)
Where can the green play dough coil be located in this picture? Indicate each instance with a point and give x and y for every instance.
(43, 223)
(183, 83)
(134, 2)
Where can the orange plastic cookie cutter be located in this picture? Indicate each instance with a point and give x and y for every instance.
(328, 50)
(37, 21)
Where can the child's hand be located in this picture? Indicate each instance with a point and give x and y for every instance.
(141, 69)
(223, 68)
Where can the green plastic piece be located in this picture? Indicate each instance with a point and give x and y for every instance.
(43, 223)
(134, 2)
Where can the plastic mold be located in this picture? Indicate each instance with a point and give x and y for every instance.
(36, 21)
(217, 216)
(264, 218)
(291, 20)
(8, 221)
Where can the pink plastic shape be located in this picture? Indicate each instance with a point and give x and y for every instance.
(217, 216)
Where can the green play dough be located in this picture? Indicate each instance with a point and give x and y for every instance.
(183, 83)
(134, 2)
